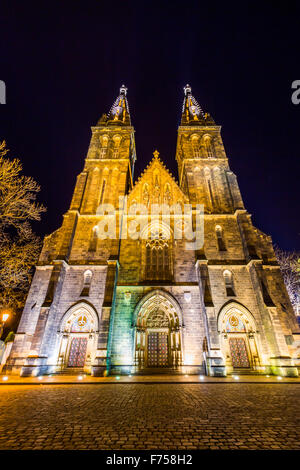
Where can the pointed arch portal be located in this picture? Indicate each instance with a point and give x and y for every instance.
(239, 338)
(158, 332)
(77, 335)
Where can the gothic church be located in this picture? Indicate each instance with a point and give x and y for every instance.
(147, 304)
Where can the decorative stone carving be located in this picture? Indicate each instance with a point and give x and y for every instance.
(146, 195)
(157, 319)
(156, 191)
(168, 195)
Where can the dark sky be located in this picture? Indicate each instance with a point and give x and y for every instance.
(63, 63)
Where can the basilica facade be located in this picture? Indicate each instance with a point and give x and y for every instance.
(153, 275)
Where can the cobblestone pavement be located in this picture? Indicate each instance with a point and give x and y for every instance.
(163, 416)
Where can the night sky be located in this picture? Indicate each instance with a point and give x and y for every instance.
(63, 63)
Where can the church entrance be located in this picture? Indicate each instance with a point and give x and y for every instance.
(239, 354)
(157, 334)
(77, 352)
(77, 339)
(239, 339)
(158, 354)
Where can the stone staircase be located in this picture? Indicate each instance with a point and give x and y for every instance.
(246, 371)
(162, 371)
(71, 371)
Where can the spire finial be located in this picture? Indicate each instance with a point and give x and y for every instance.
(123, 90)
(119, 112)
(187, 89)
(192, 113)
(155, 154)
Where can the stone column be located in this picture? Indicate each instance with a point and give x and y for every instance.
(101, 362)
(213, 357)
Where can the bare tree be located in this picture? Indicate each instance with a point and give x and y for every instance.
(17, 195)
(290, 267)
(19, 246)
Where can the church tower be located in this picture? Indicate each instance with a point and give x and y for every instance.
(237, 266)
(204, 173)
(117, 291)
(67, 313)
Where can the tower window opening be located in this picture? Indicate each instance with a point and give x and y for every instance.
(196, 150)
(93, 243)
(289, 339)
(104, 144)
(208, 147)
(87, 278)
(102, 191)
(228, 279)
(210, 192)
(220, 238)
(117, 141)
(195, 146)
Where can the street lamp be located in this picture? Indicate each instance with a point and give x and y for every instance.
(3, 319)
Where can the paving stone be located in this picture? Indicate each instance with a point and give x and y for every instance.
(157, 416)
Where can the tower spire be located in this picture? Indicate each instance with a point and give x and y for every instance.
(119, 112)
(192, 113)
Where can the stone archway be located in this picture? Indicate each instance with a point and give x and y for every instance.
(78, 337)
(239, 338)
(158, 332)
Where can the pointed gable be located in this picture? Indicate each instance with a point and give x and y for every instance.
(156, 185)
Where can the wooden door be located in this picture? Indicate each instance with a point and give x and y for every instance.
(238, 351)
(158, 349)
(77, 352)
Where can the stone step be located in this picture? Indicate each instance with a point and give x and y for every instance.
(160, 371)
(245, 371)
(71, 371)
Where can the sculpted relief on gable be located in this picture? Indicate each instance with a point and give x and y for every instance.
(156, 186)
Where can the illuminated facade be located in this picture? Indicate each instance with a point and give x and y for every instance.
(149, 303)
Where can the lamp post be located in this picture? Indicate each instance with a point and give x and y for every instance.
(3, 319)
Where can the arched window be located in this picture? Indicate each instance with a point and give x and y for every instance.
(102, 192)
(104, 144)
(220, 238)
(117, 141)
(228, 279)
(208, 146)
(207, 175)
(87, 277)
(94, 238)
(195, 146)
(158, 265)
